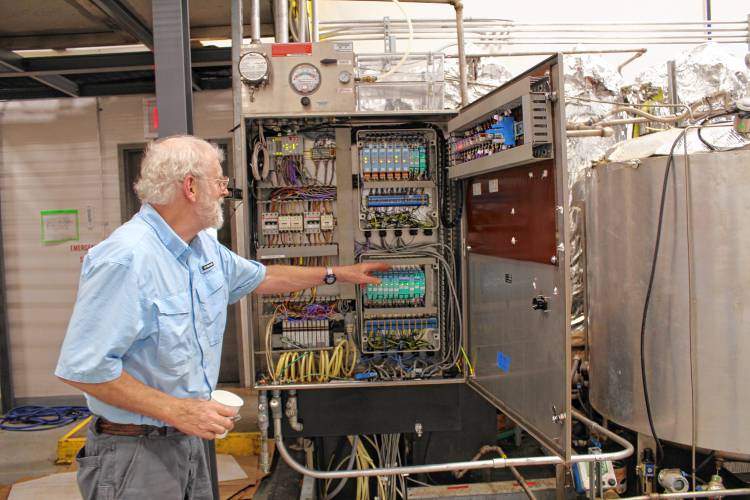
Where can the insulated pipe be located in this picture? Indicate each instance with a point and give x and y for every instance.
(255, 21)
(315, 22)
(281, 21)
(495, 463)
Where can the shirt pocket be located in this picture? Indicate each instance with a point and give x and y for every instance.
(175, 332)
(212, 299)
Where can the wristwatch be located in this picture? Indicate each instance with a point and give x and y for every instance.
(330, 278)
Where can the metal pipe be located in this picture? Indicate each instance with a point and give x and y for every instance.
(315, 22)
(302, 28)
(595, 132)
(672, 83)
(291, 411)
(464, 84)
(281, 21)
(488, 449)
(255, 21)
(263, 424)
(495, 463)
(693, 494)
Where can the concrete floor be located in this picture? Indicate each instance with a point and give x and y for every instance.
(29, 454)
(33, 454)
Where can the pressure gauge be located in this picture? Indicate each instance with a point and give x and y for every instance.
(253, 67)
(345, 77)
(304, 78)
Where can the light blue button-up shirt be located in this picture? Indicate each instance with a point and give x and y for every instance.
(156, 307)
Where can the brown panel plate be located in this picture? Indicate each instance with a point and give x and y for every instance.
(511, 213)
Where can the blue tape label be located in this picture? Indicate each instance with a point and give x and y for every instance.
(503, 362)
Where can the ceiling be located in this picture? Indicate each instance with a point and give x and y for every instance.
(74, 24)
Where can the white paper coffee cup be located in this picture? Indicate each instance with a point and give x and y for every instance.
(229, 399)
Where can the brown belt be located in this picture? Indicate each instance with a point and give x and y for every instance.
(104, 426)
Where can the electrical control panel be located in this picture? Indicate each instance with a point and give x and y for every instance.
(516, 130)
(294, 78)
(467, 211)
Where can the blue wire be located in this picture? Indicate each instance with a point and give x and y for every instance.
(41, 418)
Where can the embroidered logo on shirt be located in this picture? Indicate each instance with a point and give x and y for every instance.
(206, 267)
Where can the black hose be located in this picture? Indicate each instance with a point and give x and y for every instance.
(668, 169)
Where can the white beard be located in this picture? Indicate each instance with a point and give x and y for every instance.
(211, 213)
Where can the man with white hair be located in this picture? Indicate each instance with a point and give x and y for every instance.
(144, 341)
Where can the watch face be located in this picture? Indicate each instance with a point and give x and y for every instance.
(330, 279)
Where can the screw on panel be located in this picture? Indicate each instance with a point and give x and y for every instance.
(557, 418)
(418, 429)
(513, 240)
(553, 259)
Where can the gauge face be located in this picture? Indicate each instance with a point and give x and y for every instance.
(304, 78)
(345, 77)
(253, 67)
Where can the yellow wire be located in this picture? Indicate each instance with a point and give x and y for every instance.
(468, 363)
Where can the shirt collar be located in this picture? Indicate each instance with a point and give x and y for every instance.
(164, 231)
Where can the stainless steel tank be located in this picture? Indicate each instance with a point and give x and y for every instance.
(621, 219)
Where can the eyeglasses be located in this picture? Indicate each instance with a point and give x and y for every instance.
(221, 182)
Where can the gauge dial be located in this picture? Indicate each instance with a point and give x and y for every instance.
(304, 78)
(253, 67)
(345, 77)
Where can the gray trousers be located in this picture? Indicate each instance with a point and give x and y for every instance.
(164, 467)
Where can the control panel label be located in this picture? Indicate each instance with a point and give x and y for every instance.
(343, 46)
(291, 49)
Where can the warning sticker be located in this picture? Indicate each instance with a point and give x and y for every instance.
(291, 49)
(476, 189)
(493, 185)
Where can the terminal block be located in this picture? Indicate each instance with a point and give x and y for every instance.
(285, 145)
(303, 334)
(402, 334)
(402, 286)
(389, 156)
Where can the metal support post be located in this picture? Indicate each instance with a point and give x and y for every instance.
(174, 96)
(560, 481)
(7, 398)
(240, 233)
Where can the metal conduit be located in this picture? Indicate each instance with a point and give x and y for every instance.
(315, 22)
(281, 21)
(694, 494)
(494, 463)
(255, 21)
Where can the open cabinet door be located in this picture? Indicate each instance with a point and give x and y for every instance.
(509, 150)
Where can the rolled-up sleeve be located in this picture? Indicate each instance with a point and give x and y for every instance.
(243, 276)
(108, 317)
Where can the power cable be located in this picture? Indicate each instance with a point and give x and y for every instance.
(667, 170)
